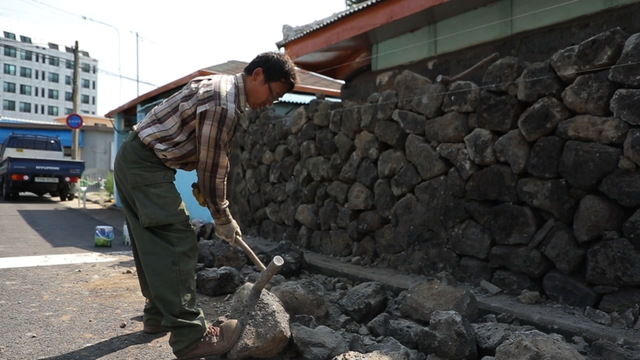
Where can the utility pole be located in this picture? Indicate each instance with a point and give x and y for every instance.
(137, 67)
(75, 147)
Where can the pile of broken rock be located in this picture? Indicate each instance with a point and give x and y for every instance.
(337, 318)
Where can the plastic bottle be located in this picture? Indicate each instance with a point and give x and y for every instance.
(125, 234)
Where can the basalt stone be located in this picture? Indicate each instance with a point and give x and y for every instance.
(441, 211)
(391, 133)
(370, 221)
(405, 180)
(542, 118)
(322, 118)
(341, 243)
(512, 224)
(368, 117)
(350, 121)
(410, 122)
(622, 73)
(344, 144)
(480, 146)
(366, 248)
(348, 173)
(569, 290)
(544, 159)
(346, 216)
(390, 163)
(424, 157)
(498, 112)
(520, 259)
(601, 50)
(631, 229)
(632, 146)
(335, 167)
(421, 301)
(309, 192)
(320, 242)
(449, 128)
(430, 99)
(514, 283)
(288, 211)
(299, 119)
(495, 182)
(450, 336)
(548, 195)
(321, 194)
(335, 120)
(459, 157)
(328, 214)
(620, 301)
(584, 165)
(596, 215)
(593, 128)
(481, 212)
(360, 197)
(471, 239)
(502, 74)
(338, 190)
(463, 97)
(365, 301)
(387, 104)
(367, 173)
(590, 94)
(625, 105)
(219, 281)
(473, 270)
(384, 199)
(455, 184)
(407, 86)
(622, 186)
(308, 132)
(561, 247)
(563, 62)
(513, 149)
(537, 81)
(307, 215)
(318, 168)
(613, 263)
(325, 143)
(536, 345)
(386, 242)
(279, 193)
(293, 145)
(367, 145)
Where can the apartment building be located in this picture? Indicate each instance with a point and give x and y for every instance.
(37, 79)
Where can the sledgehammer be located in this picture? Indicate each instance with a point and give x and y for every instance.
(266, 273)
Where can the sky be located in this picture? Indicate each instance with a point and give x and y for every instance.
(173, 40)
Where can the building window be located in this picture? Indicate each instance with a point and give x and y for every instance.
(26, 55)
(9, 51)
(25, 89)
(85, 83)
(25, 39)
(93, 100)
(69, 64)
(9, 105)
(9, 87)
(42, 94)
(93, 84)
(85, 99)
(54, 60)
(25, 72)
(54, 77)
(86, 68)
(85, 111)
(25, 107)
(52, 110)
(53, 94)
(35, 108)
(68, 111)
(68, 96)
(42, 73)
(9, 35)
(9, 69)
(41, 109)
(67, 80)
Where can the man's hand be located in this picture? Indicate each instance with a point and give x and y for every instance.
(197, 194)
(228, 231)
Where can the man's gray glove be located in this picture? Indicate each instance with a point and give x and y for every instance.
(228, 231)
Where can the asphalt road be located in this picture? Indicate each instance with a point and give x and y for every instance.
(86, 306)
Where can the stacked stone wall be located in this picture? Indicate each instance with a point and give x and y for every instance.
(527, 180)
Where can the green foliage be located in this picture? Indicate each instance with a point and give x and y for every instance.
(109, 185)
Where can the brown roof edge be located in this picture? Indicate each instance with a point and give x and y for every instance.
(179, 82)
(315, 90)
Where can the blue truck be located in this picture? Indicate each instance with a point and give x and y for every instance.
(36, 164)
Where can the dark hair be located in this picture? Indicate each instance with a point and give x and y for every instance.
(276, 66)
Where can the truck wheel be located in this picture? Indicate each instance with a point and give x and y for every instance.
(6, 191)
(63, 196)
(71, 197)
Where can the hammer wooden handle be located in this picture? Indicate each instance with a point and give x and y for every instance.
(247, 250)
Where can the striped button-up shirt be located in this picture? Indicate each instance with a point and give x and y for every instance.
(192, 130)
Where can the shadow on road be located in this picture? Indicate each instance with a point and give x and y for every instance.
(108, 347)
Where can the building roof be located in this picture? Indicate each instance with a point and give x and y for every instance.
(309, 82)
(341, 44)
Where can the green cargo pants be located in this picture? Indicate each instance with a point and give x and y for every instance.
(165, 248)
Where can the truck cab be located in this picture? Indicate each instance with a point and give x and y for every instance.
(36, 163)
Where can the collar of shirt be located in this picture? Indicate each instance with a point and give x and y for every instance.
(242, 94)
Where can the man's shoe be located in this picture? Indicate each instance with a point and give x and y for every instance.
(153, 329)
(217, 340)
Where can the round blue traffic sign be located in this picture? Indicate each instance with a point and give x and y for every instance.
(74, 121)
